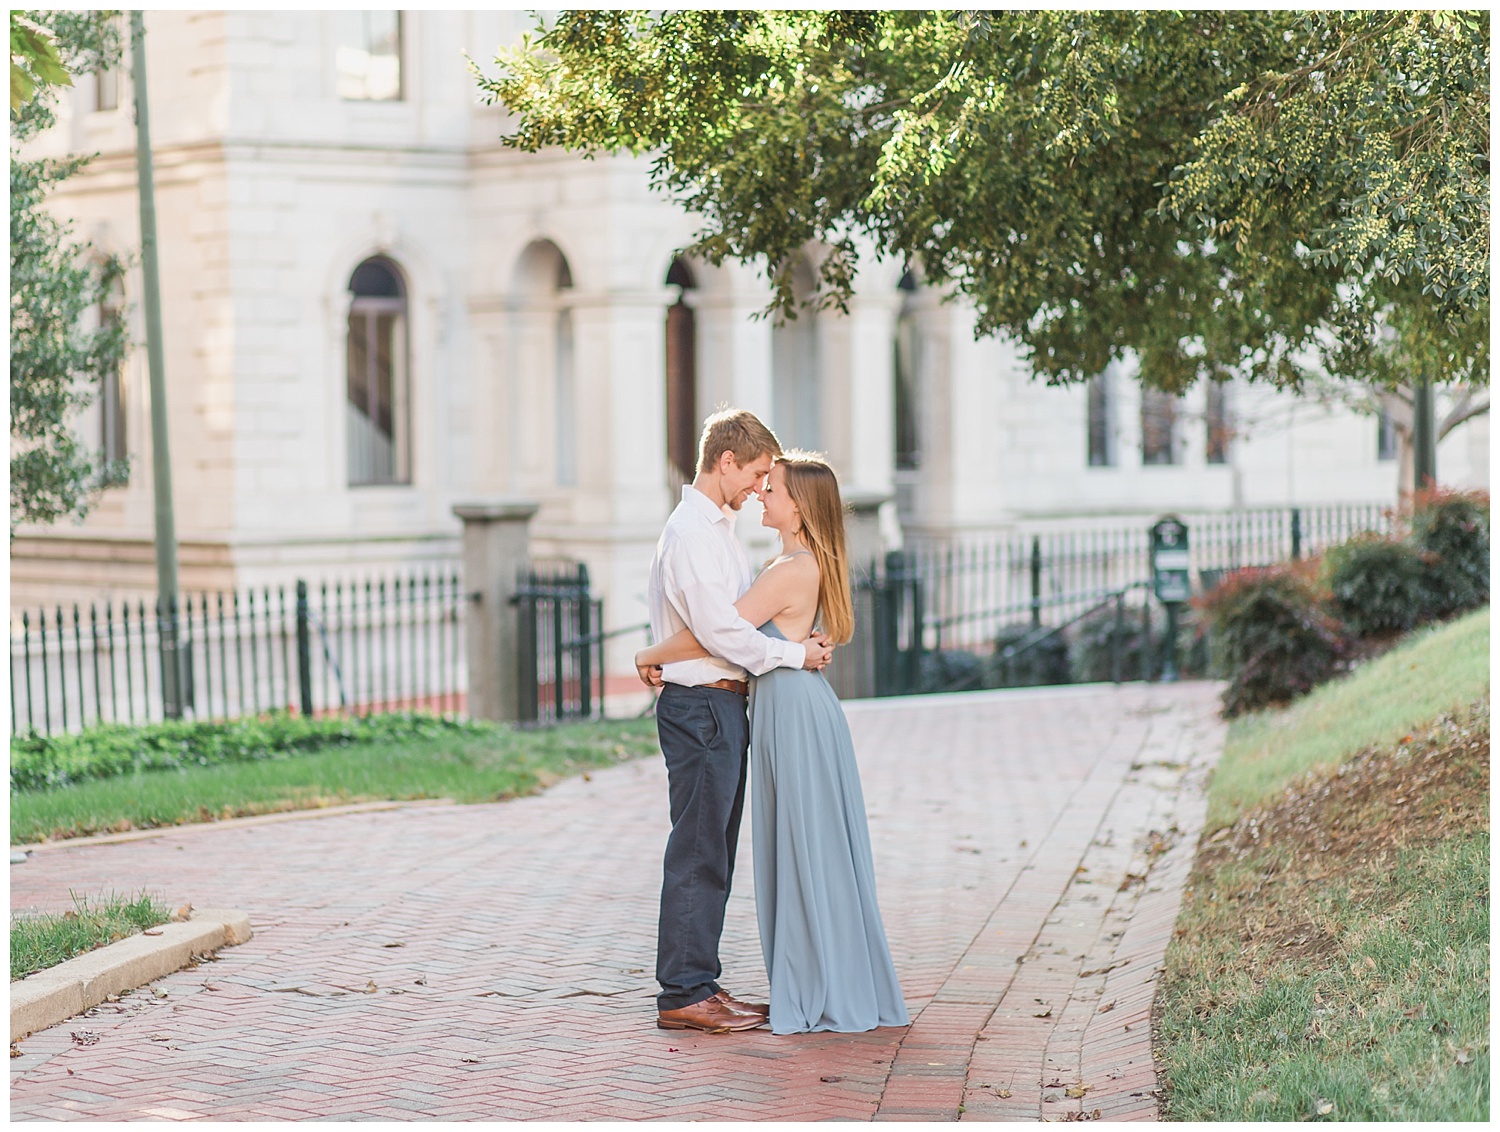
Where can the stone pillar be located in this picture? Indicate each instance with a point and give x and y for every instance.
(862, 526)
(495, 547)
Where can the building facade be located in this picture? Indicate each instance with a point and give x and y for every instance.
(375, 311)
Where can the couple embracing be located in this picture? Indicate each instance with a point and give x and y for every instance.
(738, 661)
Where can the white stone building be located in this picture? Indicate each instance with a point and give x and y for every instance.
(374, 311)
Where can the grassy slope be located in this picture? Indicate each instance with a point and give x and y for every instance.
(1332, 957)
(1438, 670)
(462, 768)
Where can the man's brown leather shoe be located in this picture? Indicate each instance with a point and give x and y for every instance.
(761, 1008)
(710, 1016)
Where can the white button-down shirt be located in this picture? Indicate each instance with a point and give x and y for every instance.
(699, 572)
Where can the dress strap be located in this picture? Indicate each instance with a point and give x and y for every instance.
(794, 553)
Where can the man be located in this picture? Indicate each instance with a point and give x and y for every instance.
(699, 571)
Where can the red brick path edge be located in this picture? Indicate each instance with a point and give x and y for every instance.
(494, 962)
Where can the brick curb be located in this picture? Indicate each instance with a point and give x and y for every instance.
(58, 993)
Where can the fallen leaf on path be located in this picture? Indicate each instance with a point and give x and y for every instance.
(1044, 1014)
(370, 987)
(1001, 1093)
(85, 1037)
(158, 992)
(393, 945)
(470, 1060)
(1106, 1008)
(830, 1080)
(1077, 1091)
(152, 931)
(182, 913)
(1095, 1115)
(15, 1051)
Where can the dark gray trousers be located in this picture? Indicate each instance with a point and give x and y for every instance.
(705, 738)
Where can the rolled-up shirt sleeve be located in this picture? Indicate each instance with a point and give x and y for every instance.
(718, 625)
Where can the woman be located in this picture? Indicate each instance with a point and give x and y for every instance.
(820, 931)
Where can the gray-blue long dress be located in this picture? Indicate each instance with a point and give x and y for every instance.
(820, 931)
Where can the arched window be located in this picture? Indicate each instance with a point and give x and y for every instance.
(377, 378)
(682, 376)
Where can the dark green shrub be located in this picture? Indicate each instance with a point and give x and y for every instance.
(1378, 584)
(1091, 650)
(950, 670)
(1453, 530)
(1045, 662)
(40, 762)
(1269, 635)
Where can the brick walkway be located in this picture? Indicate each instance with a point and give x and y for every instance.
(494, 962)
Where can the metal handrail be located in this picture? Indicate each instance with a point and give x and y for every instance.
(1117, 597)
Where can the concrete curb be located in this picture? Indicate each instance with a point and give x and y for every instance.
(48, 997)
(221, 823)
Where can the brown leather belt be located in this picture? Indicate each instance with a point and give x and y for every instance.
(740, 686)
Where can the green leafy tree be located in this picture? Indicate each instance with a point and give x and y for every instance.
(1224, 193)
(56, 283)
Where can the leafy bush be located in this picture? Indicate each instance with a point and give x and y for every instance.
(1270, 636)
(41, 762)
(1378, 584)
(950, 670)
(1091, 653)
(1046, 662)
(1453, 530)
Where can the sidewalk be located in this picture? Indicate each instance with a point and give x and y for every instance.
(494, 962)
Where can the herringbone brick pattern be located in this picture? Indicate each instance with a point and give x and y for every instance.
(494, 962)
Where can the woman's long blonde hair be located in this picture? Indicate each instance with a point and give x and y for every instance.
(814, 488)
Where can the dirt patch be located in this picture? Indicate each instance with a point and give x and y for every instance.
(1432, 784)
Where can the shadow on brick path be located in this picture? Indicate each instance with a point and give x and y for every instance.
(494, 962)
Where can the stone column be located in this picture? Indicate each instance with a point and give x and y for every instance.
(862, 526)
(495, 546)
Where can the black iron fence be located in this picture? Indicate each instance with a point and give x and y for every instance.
(975, 588)
(559, 644)
(357, 647)
(1012, 595)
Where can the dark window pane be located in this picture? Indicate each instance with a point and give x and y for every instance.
(374, 279)
(1216, 420)
(1101, 421)
(1158, 427)
(908, 440)
(1385, 438)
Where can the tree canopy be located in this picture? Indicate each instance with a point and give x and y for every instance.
(1225, 193)
(56, 285)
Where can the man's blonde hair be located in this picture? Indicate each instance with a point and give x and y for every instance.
(736, 431)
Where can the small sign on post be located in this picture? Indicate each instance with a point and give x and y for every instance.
(1170, 579)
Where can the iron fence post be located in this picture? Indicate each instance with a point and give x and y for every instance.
(584, 646)
(1296, 533)
(1118, 639)
(304, 651)
(1036, 580)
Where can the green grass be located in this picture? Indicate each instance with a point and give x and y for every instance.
(41, 941)
(1394, 1027)
(1436, 671)
(467, 768)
